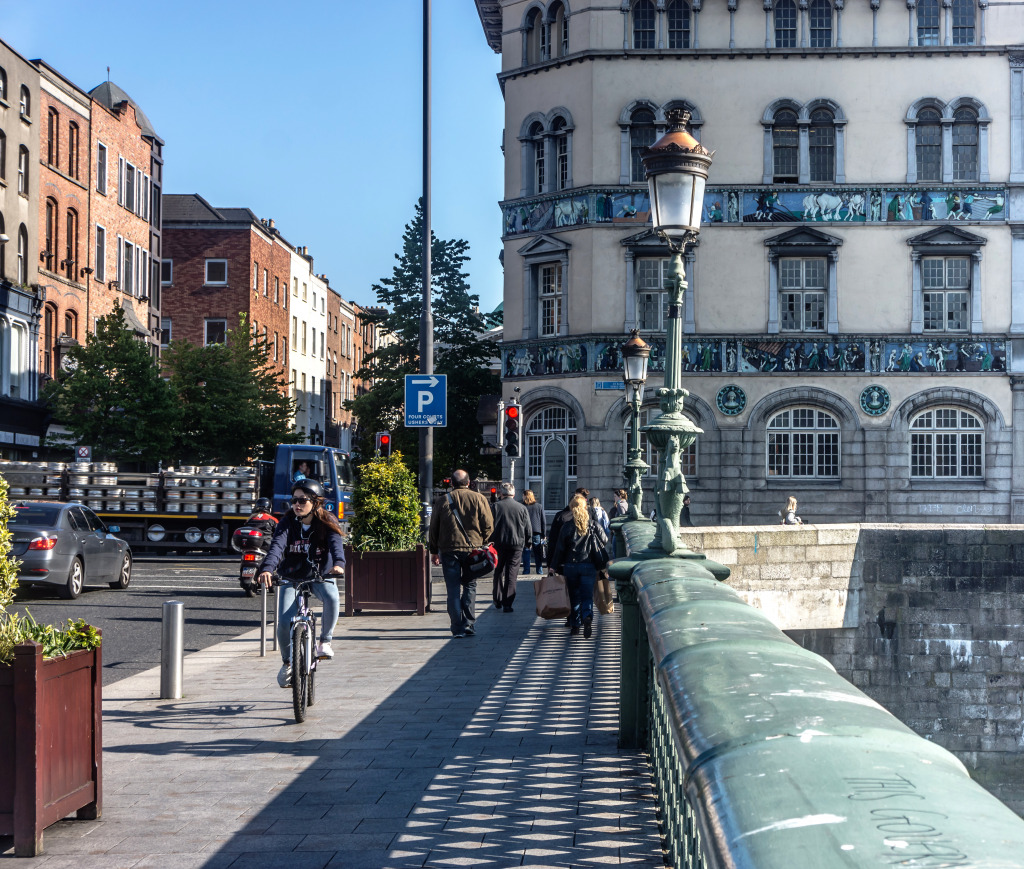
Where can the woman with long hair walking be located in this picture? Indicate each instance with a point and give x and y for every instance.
(574, 556)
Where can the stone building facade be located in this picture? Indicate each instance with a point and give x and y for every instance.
(22, 420)
(854, 323)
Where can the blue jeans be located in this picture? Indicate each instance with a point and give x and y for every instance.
(579, 580)
(526, 559)
(461, 596)
(288, 606)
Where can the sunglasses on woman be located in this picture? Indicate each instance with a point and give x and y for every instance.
(300, 501)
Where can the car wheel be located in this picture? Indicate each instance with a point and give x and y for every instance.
(76, 580)
(124, 578)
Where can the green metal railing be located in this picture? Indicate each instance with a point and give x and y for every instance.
(763, 756)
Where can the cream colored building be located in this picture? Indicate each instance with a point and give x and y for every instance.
(854, 325)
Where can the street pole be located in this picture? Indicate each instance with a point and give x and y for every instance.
(427, 318)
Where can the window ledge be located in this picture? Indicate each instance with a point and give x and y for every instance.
(930, 484)
(209, 286)
(802, 482)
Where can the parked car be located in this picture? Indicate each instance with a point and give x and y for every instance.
(67, 545)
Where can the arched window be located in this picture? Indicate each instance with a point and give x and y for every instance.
(557, 36)
(561, 143)
(23, 170)
(73, 149)
(551, 455)
(822, 145)
(678, 24)
(643, 24)
(537, 141)
(963, 22)
(71, 244)
(3, 154)
(3, 84)
(928, 22)
(821, 24)
(928, 145)
(642, 134)
(532, 38)
(803, 443)
(50, 235)
(25, 103)
(3, 251)
(49, 339)
(785, 24)
(965, 145)
(22, 255)
(71, 325)
(52, 137)
(785, 148)
(649, 453)
(947, 443)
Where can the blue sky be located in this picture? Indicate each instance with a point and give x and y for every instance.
(309, 113)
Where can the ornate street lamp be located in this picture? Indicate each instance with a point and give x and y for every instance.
(635, 353)
(677, 168)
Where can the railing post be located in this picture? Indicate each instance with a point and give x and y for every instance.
(263, 620)
(634, 673)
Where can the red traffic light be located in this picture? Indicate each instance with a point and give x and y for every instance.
(385, 439)
(512, 411)
(494, 490)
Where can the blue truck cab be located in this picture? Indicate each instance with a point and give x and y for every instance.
(330, 467)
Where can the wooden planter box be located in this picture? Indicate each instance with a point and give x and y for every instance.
(387, 580)
(51, 744)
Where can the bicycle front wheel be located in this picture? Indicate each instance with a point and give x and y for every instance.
(300, 670)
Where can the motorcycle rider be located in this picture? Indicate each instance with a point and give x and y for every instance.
(262, 518)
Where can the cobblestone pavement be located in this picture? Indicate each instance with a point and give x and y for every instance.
(421, 750)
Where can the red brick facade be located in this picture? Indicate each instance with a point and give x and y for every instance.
(198, 246)
(63, 115)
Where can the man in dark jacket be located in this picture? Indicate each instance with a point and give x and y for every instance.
(460, 522)
(512, 533)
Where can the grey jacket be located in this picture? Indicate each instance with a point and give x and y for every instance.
(511, 524)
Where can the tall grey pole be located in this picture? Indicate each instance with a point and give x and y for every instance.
(427, 318)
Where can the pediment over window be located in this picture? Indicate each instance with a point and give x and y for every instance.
(544, 246)
(649, 242)
(802, 238)
(947, 236)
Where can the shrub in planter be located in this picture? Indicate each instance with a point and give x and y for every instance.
(386, 564)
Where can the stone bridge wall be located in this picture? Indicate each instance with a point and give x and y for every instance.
(926, 619)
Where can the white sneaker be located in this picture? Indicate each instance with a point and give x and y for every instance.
(284, 675)
(324, 650)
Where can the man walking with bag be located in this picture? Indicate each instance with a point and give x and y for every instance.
(512, 533)
(460, 522)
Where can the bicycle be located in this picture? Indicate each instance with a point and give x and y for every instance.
(303, 644)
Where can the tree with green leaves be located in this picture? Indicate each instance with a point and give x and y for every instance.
(460, 352)
(233, 402)
(112, 396)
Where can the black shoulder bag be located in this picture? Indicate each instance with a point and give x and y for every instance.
(477, 562)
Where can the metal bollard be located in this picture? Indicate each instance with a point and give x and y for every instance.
(277, 606)
(263, 621)
(172, 649)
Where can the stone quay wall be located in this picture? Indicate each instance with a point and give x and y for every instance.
(926, 619)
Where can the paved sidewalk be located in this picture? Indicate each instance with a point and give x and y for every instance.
(421, 750)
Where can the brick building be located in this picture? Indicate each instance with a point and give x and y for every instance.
(125, 225)
(22, 420)
(63, 214)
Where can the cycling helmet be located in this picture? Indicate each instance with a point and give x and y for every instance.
(310, 487)
(263, 505)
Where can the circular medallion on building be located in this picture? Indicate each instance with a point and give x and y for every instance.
(874, 400)
(731, 400)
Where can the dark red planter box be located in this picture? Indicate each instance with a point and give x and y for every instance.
(51, 743)
(386, 580)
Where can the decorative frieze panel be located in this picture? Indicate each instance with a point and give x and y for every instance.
(632, 207)
(890, 355)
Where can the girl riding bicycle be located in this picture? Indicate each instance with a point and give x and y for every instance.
(307, 544)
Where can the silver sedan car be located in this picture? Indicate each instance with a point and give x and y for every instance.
(67, 545)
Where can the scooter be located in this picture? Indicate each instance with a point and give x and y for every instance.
(253, 543)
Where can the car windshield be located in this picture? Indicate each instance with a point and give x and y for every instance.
(35, 514)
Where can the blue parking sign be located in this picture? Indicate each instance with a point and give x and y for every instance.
(426, 400)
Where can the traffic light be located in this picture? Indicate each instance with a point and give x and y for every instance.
(512, 422)
(384, 443)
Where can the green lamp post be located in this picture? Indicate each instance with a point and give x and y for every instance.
(677, 169)
(635, 353)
